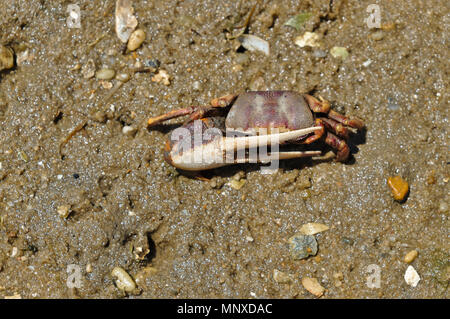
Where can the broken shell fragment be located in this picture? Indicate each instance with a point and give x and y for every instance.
(254, 43)
(126, 22)
(313, 286)
(412, 278)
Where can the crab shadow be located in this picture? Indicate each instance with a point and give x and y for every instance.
(163, 128)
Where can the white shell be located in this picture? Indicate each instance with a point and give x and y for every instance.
(126, 22)
(253, 43)
(412, 278)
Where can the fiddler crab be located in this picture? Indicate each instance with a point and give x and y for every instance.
(255, 119)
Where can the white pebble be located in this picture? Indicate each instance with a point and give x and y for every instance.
(308, 39)
(367, 63)
(196, 86)
(412, 278)
(105, 74)
(128, 130)
(63, 211)
(14, 252)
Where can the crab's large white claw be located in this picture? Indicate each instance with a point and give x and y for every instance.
(221, 151)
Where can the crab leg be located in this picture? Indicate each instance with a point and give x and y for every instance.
(322, 106)
(356, 123)
(317, 134)
(170, 115)
(195, 112)
(342, 148)
(338, 128)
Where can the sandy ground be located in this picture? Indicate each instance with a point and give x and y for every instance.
(204, 238)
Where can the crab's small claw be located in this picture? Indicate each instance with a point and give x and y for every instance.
(223, 101)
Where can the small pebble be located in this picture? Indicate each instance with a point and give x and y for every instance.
(392, 105)
(302, 246)
(129, 130)
(88, 69)
(106, 84)
(162, 76)
(196, 86)
(152, 63)
(14, 252)
(100, 116)
(431, 178)
(242, 59)
(123, 279)
(105, 74)
(378, 35)
(63, 211)
(319, 53)
(412, 278)
(388, 26)
(88, 268)
(313, 228)
(313, 286)
(281, 277)
(339, 52)
(443, 207)
(338, 275)
(136, 39)
(123, 77)
(6, 58)
(409, 257)
(25, 57)
(367, 63)
(308, 39)
(399, 187)
(347, 241)
(237, 185)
